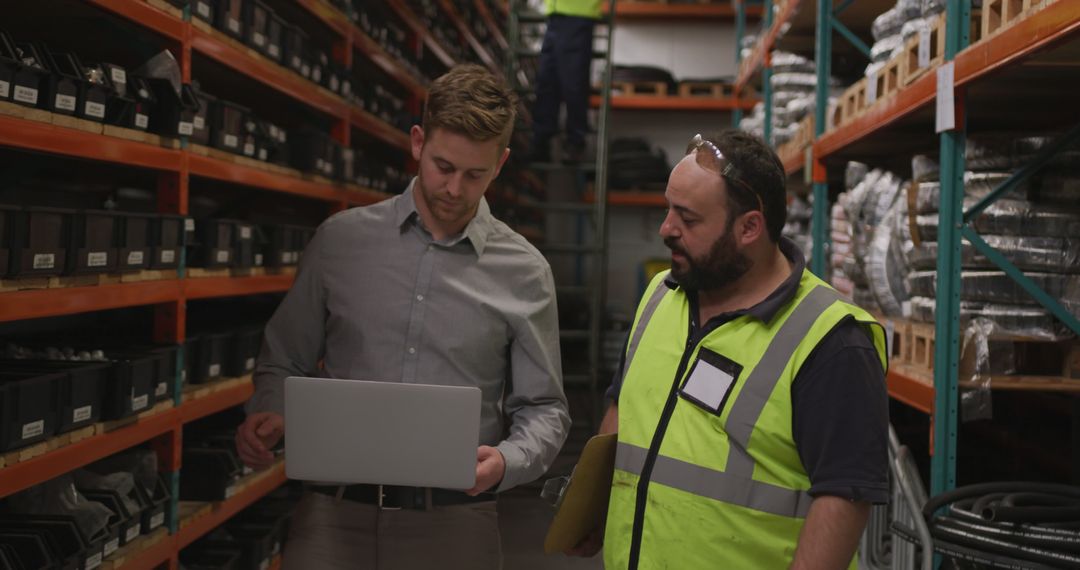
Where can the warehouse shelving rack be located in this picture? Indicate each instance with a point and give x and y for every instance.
(175, 166)
(1019, 76)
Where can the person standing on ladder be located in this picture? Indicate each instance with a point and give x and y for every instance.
(563, 77)
(750, 406)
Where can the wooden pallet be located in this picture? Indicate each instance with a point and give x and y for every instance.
(202, 272)
(68, 281)
(639, 88)
(850, 105)
(711, 89)
(998, 15)
(931, 48)
(887, 80)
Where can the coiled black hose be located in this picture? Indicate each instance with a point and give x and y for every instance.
(1013, 524)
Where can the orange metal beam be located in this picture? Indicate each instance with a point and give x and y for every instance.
(209, 167)
(463, 28)
(386, 62)
(489, 19)
(329, 15)
(674, 103)
(227, 508)
(375, 126)
(210, 287)
(764, 45)
(38, 303)
(215, 402)
(625, 10)
(406, 14)
(146, 16)
(910, 390)
(45, 137)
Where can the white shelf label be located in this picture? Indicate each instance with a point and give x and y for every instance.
(33, 429)
(95, 109)
(245, 232)
(185, 128)
(142, 121)
(93, 562)
(215, 370)
(157, 520)
(222, 256)
(263, 155)
(334, 83)
(316, 74)
(265, 564)
(199, 123)
(258, 259)
(296, 62)
(946, 108)
(230, 491)
(274, 50)
(97, 259)
(258, 39)
(231, 141)
(305, 70)
(249, 149)
(135, 258)
(249, 364)
(140, 402)
(5, 89)
(82, 414)
(132, 533)
(161, 389)
(924, 48)
(26, 94)
(111, 546)
(285, 256)
(65, 102)
(118, 75)
(203, 9)
(189, 224)
(168, 255)
(44, 261)
(234, 25)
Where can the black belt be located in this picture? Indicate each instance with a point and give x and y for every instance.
(398, 497)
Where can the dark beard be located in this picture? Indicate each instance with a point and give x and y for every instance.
(722, 266)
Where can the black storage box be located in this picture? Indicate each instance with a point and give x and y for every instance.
(25, 75)
(203, 117)
(30, 548)
(281, 242)
(94, 240)
(132, 102)
(227, 126)
(195, 558)
(244, 244)
(8, 214)
(136, 235)
(128, 521)
(229, 17)
(205, 356)
(203, 10)
(162, 361)
(213, 244)
(28, 406)
(174, 114)
(71, 92)
(275, 37)
(39, 242)
(296, 55)
(166, 241)
(59, 92)
(78, 390)
(156, 505)
(244, 347)
(135, 380)
(257, 16)
(313, 151)
(61, 536)
(209, 474)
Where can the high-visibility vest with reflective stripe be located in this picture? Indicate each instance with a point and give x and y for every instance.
(724, 490)
(582, 8)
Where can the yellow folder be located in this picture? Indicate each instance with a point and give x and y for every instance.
(585, 500)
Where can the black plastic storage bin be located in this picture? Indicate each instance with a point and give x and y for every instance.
(158, 362)
(257, 16)
(244, 244)
(229, 17)
(166, 241)
(280, 249)
(175, 112)
(29, 548)
(135, 379)
(156, 503)
(8, 214)
(25, 76)
(204, 117)
(203, 10)
(256, 543)
(27, 408)
(59, 91)
(128, 521)
(275, 37)
(227, 126)
(39, 242)
(79, 389)
(205, 356)
(209, 474)
(195, 558)
(94, 240)
(132, 101)
(295, 54)
(136, 235)
(88, 100)
(213, 247)
(61, 536)
(244, 347)
(313, 151)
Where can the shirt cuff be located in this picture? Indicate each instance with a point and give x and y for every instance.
(877, 494)
(514, 460)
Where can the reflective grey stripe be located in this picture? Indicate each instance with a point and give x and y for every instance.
(639, 330)
(718, 485)
(763, 378)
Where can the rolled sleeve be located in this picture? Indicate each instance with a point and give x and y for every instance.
(295, 337)
(534, 402)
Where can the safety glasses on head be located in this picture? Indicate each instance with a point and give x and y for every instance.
(709, 157)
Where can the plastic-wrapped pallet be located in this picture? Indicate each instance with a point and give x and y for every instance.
(797, 228)
(1016, 320)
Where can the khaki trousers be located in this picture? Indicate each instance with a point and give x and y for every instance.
(330, 534)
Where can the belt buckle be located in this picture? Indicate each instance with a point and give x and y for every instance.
(381, 497)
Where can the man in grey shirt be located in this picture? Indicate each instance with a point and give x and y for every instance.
(426, 287)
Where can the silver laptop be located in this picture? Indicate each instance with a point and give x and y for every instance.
(355, 431)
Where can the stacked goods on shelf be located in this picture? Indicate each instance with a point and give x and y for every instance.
(435, 19)
(794, 83)
(797, 228)
(81, 518)
(382, 103)
(373, 20)
(222, 244)
(247, 541)
(878, 240)
(635, 165)
(1034, 226)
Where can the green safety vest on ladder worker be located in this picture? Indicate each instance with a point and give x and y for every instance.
(726, 488)
(582, 8)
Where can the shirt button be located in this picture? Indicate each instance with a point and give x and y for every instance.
(419, 297)
(412, 350)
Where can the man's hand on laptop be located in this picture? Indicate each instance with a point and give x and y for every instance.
(490, 467)
(255, 438)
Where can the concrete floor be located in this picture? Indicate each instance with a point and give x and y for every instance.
(524, 518)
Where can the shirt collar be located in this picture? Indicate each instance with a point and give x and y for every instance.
(478, 230)
(781, 296)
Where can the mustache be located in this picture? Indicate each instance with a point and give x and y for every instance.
(674, 246)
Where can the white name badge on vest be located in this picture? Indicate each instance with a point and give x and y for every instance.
(710, 381)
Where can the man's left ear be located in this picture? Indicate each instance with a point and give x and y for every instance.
(502, 161)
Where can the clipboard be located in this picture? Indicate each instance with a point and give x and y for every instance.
(585, 500)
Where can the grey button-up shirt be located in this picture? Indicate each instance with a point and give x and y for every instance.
(377, 298)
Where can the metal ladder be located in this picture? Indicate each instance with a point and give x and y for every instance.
(578, 260)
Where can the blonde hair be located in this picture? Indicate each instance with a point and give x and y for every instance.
(471, 101)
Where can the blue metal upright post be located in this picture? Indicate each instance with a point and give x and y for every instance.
(947, 315)
(740, 31)
(766, 72)
(819, 226)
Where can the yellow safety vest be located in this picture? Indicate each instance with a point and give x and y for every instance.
(582, 8)
(724, 487)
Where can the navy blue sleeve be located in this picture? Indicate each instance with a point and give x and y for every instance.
(612, 393)
(840, 417)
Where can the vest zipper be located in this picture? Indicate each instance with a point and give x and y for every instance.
(654, 450)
